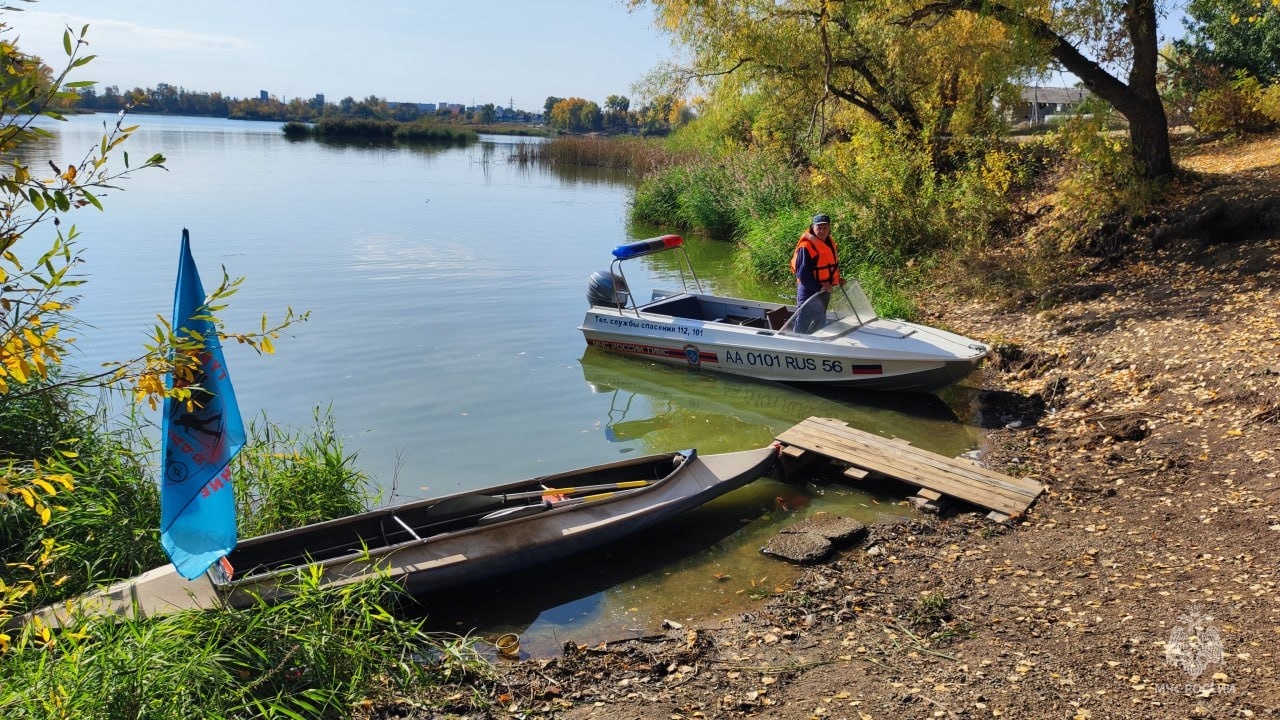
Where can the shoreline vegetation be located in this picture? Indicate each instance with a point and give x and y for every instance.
(391, 130)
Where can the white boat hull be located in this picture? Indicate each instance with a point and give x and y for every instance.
(887, 355)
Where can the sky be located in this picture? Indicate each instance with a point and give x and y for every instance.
(494, 51)
(505, 52)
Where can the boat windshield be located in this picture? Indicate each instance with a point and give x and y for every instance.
(832, 313)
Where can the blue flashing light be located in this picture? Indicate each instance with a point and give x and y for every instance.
(646, 247)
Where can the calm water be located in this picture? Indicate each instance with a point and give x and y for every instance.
(445, 288)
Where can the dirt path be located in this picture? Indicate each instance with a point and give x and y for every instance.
(1142, 585)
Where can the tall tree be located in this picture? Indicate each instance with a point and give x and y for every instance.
(1087, 37)
(1234, 35)
(818, 59)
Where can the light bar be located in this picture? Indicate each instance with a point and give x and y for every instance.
(646, 247)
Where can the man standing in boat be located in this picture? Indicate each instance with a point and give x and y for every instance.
(815, 262)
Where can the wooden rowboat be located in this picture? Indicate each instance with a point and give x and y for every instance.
(437, 543)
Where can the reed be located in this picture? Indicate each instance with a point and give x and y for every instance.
(418, 131)
(286, 478)
(106, 528)
(638, 155)
(718, 197)
(319, 654)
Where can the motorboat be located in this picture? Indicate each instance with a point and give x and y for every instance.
(834, 339)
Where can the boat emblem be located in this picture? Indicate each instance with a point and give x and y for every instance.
(693, 355)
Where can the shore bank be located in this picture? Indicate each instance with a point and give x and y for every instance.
(1142, 584)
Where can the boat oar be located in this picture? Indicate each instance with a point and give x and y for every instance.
(461, 506)
(574, 490)
(520, 511)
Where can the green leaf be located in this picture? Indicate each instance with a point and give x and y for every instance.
(83, 61)
(89, 196)
(126, 158)
(66, 42)
(80, 83)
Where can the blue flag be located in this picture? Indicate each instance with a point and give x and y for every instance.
(197, 505)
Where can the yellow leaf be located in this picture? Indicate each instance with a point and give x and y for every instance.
(267, 347)
(45, 486)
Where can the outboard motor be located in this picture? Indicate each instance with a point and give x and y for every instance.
(605, 288)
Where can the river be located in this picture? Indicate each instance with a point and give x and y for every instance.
(445, 287)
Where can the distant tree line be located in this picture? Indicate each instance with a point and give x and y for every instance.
(578, 115)
(566, 114)
(165, 99)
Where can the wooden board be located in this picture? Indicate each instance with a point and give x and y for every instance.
(952, 477)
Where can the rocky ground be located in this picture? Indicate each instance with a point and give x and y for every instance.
(1142, 584)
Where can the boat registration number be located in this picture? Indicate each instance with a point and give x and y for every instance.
(754, 358)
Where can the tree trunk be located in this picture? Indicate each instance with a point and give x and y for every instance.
(1149, 138)
(1139, 100)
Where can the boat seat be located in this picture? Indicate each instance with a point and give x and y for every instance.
(777, 317)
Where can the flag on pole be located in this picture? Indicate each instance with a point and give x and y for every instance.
(197, 505)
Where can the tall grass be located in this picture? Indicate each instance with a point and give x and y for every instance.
(322, 652)
(286, 478)
(641, 156)
(719, 198)
(107, 528)
(319, 654)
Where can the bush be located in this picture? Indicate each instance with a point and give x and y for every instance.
(104, 529)
(894, 206)
(1268, 103)
(1101, 186)
(295, 130)
(1231, 107)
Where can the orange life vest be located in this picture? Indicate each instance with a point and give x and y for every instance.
(826, 268)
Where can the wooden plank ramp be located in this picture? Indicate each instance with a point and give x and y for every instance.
(957, 478)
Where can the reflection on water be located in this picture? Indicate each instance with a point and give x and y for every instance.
(703, 564)
(655, 407)
(706, 563)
